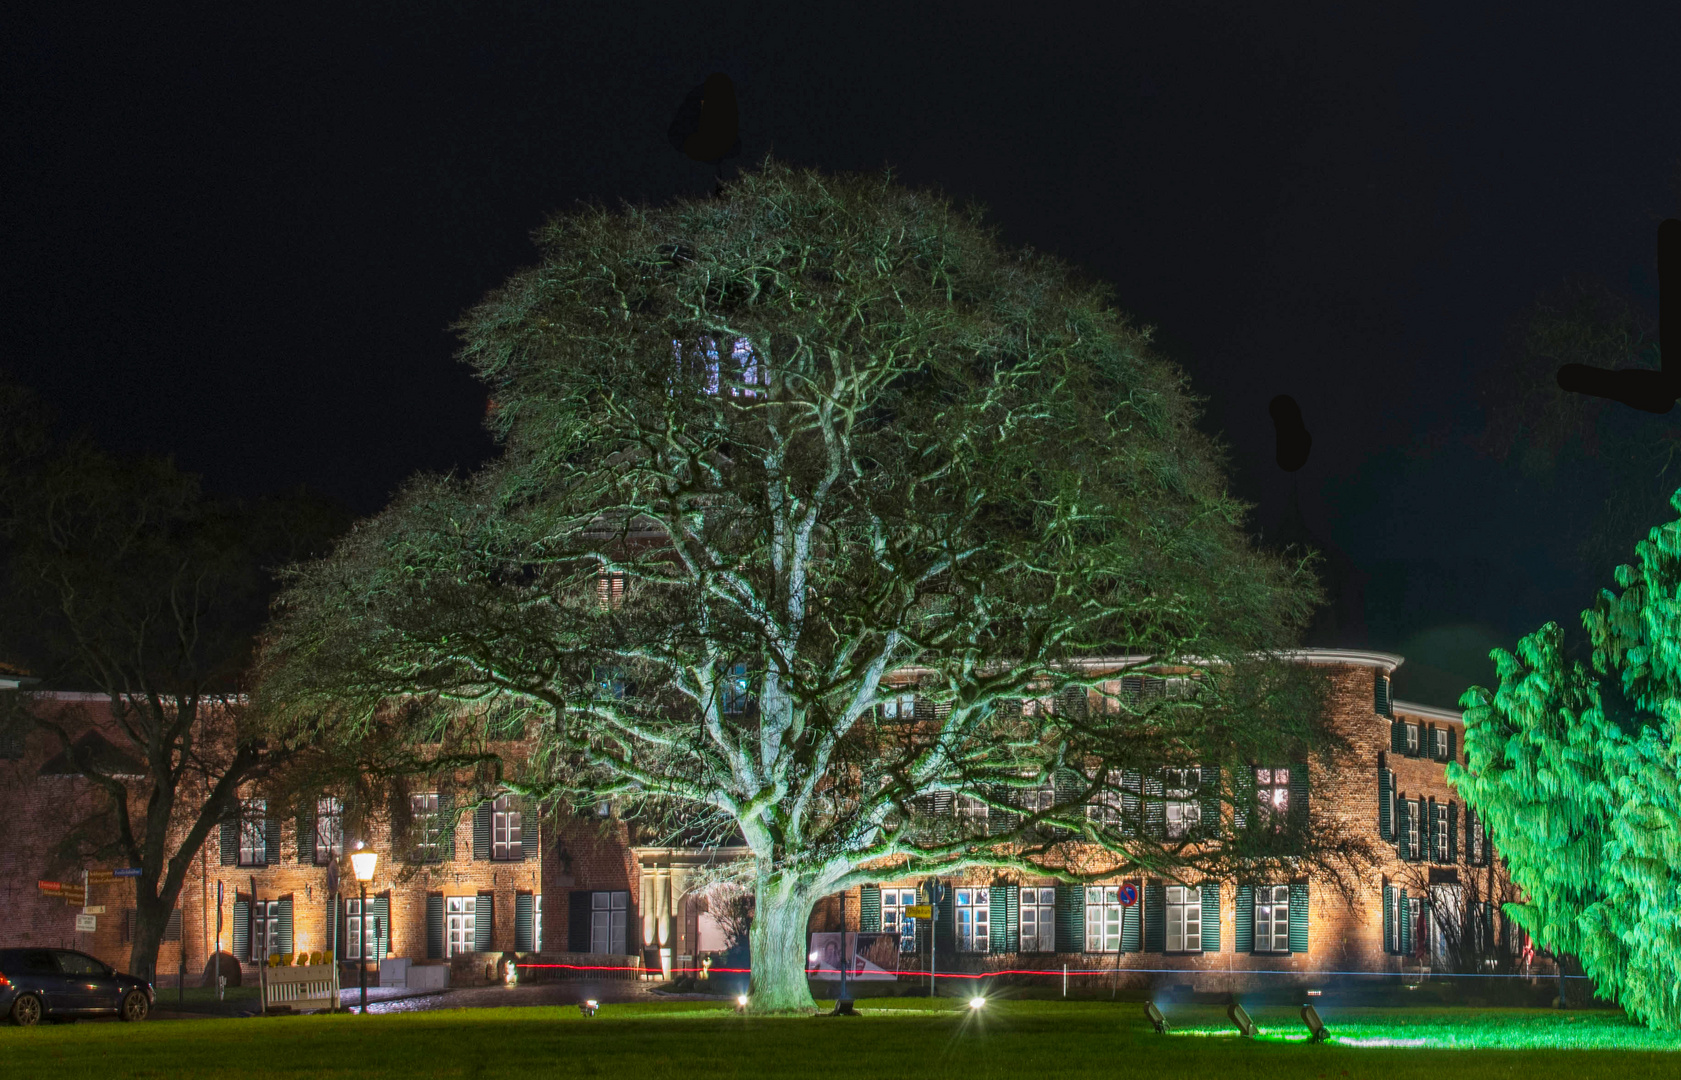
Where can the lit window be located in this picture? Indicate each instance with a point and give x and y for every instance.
(1439, 835)
(1441, 738)
(609, 912)
(1103, 918)
(461, 922)
(1038, 919)
(360, 926)
(1392, 923)
(744, 377)
(428, 828)
(253, 832)
(329, 829)
(899, 707)
(1272, 789)
(265, 930)
(1184, 813)
(973, 923)
(610, 588)
(893, 917)
(537, 923)
(1272, 918)
(734, 690)
(972, 813)
(1412, 832)
(1412, 739)
(1184, 919)
(505, 842)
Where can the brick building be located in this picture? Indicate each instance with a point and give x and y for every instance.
(583, 890)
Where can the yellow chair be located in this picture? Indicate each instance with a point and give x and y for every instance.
(327, 957)
(315, 959)
(302, 960)
(273, 959)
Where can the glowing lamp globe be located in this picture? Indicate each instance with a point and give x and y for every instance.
(363, 862)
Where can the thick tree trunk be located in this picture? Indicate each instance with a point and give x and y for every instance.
(778, 936)
(150, 921)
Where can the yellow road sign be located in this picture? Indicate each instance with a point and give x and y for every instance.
(920, 911)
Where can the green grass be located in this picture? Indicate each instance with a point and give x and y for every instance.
(904, 1039)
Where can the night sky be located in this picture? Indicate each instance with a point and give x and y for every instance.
(239, 236)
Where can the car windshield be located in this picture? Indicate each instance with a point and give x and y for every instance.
(74, 963)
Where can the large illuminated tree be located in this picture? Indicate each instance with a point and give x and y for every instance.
(1576, 771)
(769, 462)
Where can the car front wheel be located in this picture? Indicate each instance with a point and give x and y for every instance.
(26, 1010)
(135, 1006)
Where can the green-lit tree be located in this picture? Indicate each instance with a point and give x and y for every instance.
(804, 490)
(1576, 771)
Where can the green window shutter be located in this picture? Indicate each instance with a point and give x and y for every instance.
(306, 838)
(1132, 786)
(1070, 919)
(481, 831)
(271, 841)
(1380, 696)
(1404, 943)
(1385, 804)
(1298, 793)
(1389, 918)
(1067, 786)
(869, 909)
(446, 834)
(1012, 918)
(284, 934)
(1209, 778)
(1453, 744)
(484, 922)
(1298, 918)
(435, 926)
(1398, 736)
(242, 930)
(1002, 821)
(1243, 920)
(998, 919)
(525, 924)
(1430, 837)
(1453, 832)
(1211, 916)
(1155, 918)
(1243, 796)
(1155, 810)
(945, 922)
(380, 906)
(527, 827)
(578, 921)
(230, 843)
(1131, 937)
(1403, 828)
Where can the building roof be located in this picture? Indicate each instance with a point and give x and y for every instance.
(1427, 712)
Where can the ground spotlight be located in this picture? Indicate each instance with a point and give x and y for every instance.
(741, 1003)
(1156, 1018)
(977, 1002)
(1240, 1020)
(1310, 1017)
(589, 1007)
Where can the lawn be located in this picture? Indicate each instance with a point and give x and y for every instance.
(893, 1040)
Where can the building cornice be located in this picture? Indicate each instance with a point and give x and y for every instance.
(1427, 712)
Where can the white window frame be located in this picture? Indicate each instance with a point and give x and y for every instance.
(424, 809)
(1184, 919)
(898, 708)
(1037, 918)
(1272, 791)
(537, 922)
(1104, 915)
(359, 926)
(974, 920)
(1439, 834)
(972, 812)
(329, 828)
(461, 929)
(265, 930)
(1412, 739)
(507, 842)
(894, 900)
(1440, 750)
(1182, 808)
(253, 832)
(1272, 919)
(1392, 941)
(1414, 841)
(609, 922)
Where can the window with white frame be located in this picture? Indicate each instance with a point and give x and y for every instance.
(1184, 812)
(974, 932)
(460, 924)
(894, 901)
(537, 923)
(1272, 790)
(1107, 806)
(1440, 750)
(1103, 918)
(899, 707)
(1038, 919)
(735, 690)
(505, 831)
(1392, 919)
(428, 828)
(1272, 918)
(265, 930)
(972, 813)
(1184, 919)
(253, 832)
(360, 926)
(610, 588)
(329, 829)
(1413, 830)
(609, 915)
(1412, 739)
(1439, 834)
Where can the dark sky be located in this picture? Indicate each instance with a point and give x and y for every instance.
(239, 234)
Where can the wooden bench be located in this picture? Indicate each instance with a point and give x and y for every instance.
(300, 988)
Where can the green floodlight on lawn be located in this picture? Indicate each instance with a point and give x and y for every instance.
(1155, 1017)
(1240, 1019)
(1310, 1017)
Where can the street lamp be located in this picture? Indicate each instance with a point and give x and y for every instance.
(363, 861)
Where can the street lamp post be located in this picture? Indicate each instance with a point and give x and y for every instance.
(363, 861)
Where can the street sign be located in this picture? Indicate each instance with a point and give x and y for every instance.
(127, 871)
(1129, 895)
(74, 899)
(919, 911)
(86, 923)
(50, 886)
(101, 877)
(97, 909)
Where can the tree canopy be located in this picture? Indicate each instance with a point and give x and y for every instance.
(813, 498)
(1576, 771)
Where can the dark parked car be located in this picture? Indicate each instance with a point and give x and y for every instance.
(58, 984)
